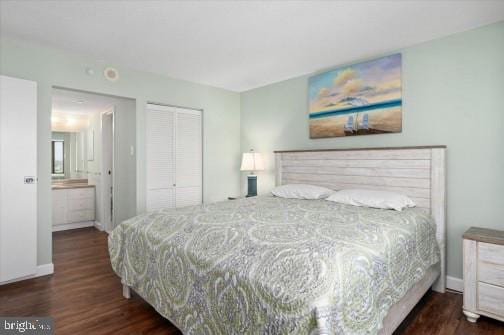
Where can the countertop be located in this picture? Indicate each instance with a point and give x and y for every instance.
(70, 183)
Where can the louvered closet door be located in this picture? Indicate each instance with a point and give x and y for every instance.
(160, 157)
(174, 157)
(189, 158)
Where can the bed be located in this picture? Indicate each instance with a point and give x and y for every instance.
(268, 265)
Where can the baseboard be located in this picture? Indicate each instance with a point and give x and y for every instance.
(45, 269)
(74, 225)
(42, 270)
(454, 283)
(98, 225)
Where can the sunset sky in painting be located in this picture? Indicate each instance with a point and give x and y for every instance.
(356, 85)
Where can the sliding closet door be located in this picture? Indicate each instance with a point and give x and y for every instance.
(160, 157)
(189, 158)
(18, 178)
(174, 157)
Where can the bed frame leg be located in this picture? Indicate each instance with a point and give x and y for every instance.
(126, 291)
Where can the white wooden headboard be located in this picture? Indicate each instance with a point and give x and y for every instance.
(418, 172)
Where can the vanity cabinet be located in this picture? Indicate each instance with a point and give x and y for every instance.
(73, 208)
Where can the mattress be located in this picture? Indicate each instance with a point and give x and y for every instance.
(268, 265)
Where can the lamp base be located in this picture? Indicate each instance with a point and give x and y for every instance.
(252, 185)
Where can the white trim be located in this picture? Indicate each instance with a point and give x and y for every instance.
(45, 269)
(74, 225)
(105, 225)
(42, 270)
(454, 283)
(98, 226)
(167, 107)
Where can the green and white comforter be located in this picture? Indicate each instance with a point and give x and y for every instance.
(269, 265)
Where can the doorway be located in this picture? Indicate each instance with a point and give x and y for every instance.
(94, 160)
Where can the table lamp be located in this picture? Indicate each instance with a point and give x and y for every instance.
(252, 161)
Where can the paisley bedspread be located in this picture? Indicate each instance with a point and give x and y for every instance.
(268, 265)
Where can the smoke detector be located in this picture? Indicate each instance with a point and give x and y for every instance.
(111, 74)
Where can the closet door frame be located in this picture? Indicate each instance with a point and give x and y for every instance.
(175, 109)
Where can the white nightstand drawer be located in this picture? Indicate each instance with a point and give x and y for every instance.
(491, 298)
(491, 273)
(491, 253)
(79, 193)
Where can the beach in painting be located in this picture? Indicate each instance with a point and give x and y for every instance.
(360, 99)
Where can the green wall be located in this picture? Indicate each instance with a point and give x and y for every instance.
(52, 67)
(453, 94)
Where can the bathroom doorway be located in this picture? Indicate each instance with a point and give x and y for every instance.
(93, 152)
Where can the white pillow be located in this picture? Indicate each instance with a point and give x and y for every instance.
(374, 199)
(301, 191)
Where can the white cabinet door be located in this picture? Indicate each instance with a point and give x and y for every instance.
(160, 122)
(160, 198)
(189, 160)
(18, 178)
(59, 207)
(73, 205)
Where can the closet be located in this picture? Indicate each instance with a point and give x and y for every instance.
(174, 157)
(18, 178)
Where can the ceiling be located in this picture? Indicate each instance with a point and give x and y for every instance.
(239, 45)
(71, 109)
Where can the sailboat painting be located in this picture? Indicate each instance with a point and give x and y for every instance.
(358, 99)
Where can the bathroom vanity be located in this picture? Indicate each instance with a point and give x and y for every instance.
(73, 204)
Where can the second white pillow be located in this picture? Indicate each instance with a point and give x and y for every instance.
(301, 191)
(371, 198)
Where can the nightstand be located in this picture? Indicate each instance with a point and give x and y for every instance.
(483, 273)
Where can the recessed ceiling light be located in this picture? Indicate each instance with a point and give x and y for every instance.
(80, 102)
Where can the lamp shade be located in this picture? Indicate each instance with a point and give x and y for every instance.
(252, 161)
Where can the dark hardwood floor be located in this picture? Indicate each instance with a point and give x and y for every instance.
(84, 297)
